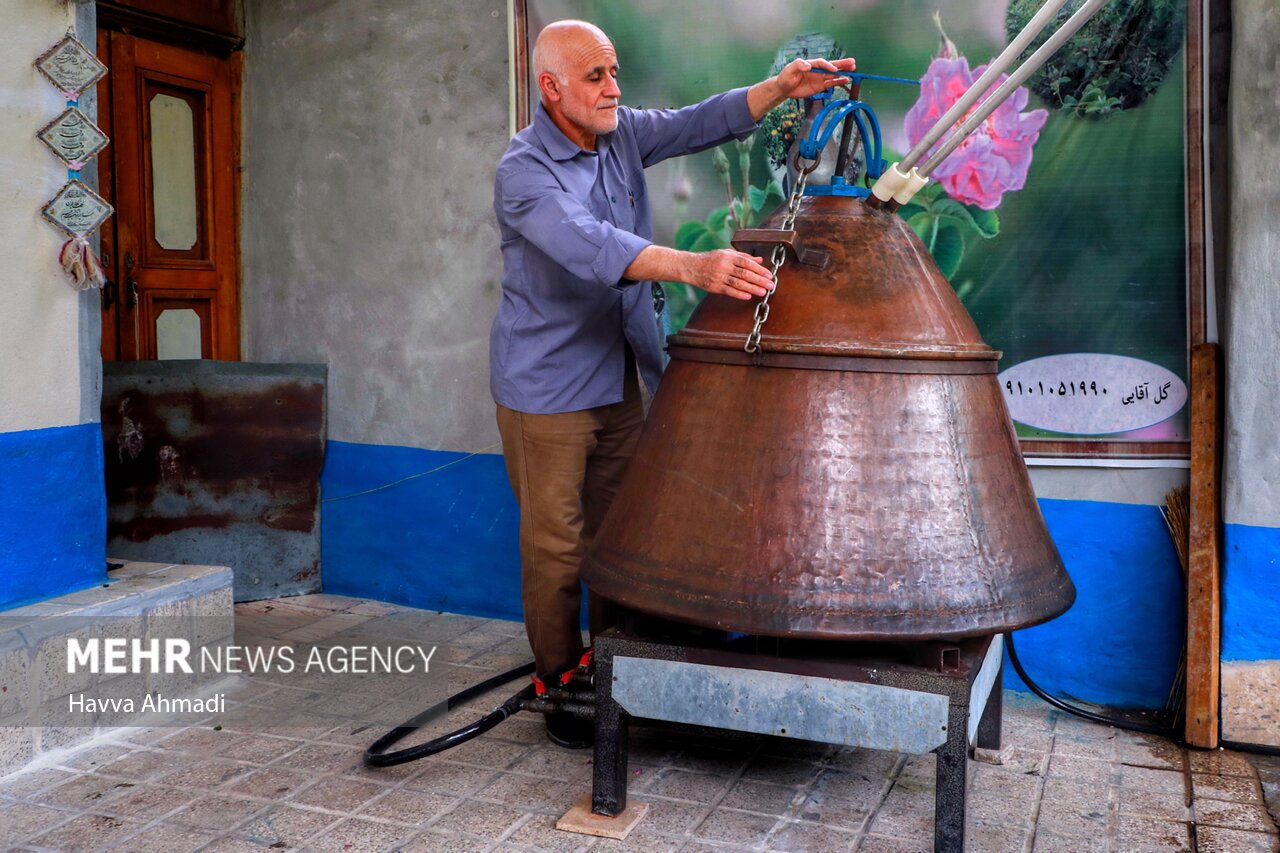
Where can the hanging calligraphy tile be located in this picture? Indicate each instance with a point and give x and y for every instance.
(73, 137)
(71, 66)
(77, 210)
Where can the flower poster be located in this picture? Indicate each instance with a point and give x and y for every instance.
(1061, 222)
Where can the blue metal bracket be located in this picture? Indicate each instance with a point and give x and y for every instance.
(830, 117)
(838, 186)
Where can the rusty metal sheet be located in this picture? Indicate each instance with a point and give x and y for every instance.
(217, 463)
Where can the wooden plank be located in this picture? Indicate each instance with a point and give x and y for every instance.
(1090, 448)
(580, 819)
(1204, 606)
(524, 113)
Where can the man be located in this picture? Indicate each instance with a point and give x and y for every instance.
(577, 320)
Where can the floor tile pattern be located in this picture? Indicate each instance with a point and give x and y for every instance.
(1059, 784)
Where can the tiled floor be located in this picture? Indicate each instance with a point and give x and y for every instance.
(1063, 784)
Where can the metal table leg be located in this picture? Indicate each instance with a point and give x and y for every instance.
(609, 771)
(989, 727)
(949, 796)
(902, 703)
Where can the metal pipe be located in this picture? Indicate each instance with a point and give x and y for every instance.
(1009, 86)
(846, 145)
(994, 70)
(580, 710)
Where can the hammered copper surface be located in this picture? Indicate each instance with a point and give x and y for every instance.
(881, 295)
(834, 503)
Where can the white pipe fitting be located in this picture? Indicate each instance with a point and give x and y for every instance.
(914, 183)
(888, 184)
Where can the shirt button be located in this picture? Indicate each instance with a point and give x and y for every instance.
(613, 199)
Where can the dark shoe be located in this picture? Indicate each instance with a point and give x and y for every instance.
(564, 729)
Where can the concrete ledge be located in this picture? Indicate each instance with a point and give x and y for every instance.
(142, 600)
(1251, 702)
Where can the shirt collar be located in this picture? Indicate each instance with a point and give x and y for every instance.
(559, 146)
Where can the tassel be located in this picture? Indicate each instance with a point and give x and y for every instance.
(81, 264)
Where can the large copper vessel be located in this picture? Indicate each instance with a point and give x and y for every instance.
(858, 479)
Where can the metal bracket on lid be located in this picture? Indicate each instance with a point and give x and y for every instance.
(762, 240)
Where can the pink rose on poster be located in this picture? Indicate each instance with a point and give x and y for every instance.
(996, 156)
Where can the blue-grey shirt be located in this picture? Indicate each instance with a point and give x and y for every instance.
(571, 221)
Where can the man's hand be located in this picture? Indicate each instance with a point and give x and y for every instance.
(724, 271)
(797, 80)
(731, 273)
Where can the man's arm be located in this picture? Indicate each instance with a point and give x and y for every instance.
(795, 81)
(660, 134)
(531, 202)
(726, 271)
(723, 271)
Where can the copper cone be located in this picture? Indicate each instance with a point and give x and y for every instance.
(862, 481)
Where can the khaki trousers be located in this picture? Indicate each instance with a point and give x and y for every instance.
(565, 470)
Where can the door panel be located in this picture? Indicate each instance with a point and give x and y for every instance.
(181, 324)
(175, 191)
(173, 205)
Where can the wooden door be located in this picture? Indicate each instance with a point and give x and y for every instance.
(172, 248)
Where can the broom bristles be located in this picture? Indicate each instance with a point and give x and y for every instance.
(1177, 516)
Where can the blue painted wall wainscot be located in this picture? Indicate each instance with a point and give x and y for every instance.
(53, 513)
(1251, 593)
(427, 528)
(1120, 643)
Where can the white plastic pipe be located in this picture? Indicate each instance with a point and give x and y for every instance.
(1016, 79)
(994, 70)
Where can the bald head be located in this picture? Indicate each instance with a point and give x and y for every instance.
(576, 69)
(562, 45)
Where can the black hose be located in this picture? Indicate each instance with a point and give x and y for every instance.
(1164, 731)
(1128, 725)
(376, 755)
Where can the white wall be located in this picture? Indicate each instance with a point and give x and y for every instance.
(372, 129)
(1113, 485)
(1251, 467)
(41, 369)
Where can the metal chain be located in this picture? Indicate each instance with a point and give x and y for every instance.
(778, 258)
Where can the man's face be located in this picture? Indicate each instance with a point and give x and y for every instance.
(589, 95)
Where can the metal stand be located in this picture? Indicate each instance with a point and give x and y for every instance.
(913, 697)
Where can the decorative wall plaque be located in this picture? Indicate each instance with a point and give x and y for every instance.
(71, 66)
(74, 138)
(77, 210)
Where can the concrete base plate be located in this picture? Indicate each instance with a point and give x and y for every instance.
(997, 757)
(579, 819)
